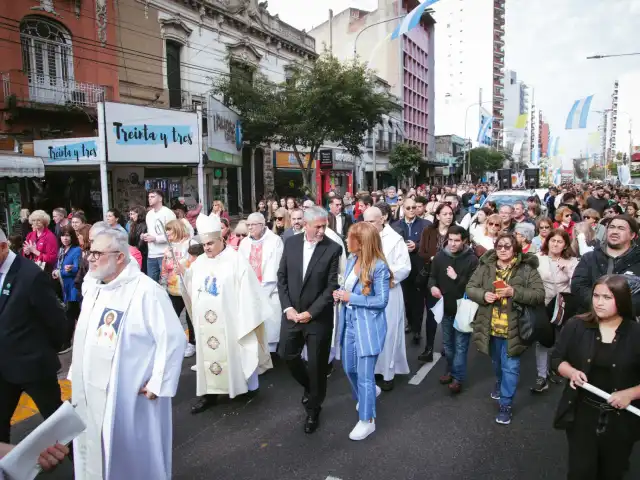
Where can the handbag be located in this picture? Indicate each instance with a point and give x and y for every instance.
(534, 325)
(465, 314)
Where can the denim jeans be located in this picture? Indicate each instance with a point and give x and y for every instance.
(507, 369)
(456, 346)
(154, 266)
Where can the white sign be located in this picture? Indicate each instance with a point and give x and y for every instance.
(150, 135)
(225, 128)
(67, 151)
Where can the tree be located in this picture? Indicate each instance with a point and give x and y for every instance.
(404, 160)
(484, 160)
(328, 101)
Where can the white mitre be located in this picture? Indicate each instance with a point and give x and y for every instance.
(209, 228)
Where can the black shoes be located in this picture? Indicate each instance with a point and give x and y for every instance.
(204, 403)
(312, 423)
(386, 385)
(426, 356)
(330, 369)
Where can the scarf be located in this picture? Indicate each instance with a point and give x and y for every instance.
(499, 315)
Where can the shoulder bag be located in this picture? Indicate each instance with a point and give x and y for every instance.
(534, 325)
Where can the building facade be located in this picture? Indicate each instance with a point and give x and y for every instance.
(516, 103)
(405, 65)
(470, 48)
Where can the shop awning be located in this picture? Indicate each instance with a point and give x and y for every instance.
(14, 165)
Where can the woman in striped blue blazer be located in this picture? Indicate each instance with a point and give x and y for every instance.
(362, 327)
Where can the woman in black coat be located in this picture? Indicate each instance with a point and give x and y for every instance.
(137, 226)
(602, 348)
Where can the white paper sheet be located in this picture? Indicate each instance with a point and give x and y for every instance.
(63, 426)
(438, 310)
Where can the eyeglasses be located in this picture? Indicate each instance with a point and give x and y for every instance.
(241, 235)
(279, 218)
(502, 246)
(494, 224)
(96, 254)
(545, 227)
(567, 215)
(409, 208)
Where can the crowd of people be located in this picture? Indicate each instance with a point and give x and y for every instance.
(352, 279)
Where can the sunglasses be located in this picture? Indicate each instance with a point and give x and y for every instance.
(567, 215)
(504, 247)
(279, 218)
(545, 227)
(242, 235)
(494, 224)
(409, 208)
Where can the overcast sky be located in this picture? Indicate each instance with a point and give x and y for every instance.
(547, 42)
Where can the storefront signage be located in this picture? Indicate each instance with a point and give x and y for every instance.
(343, 161)
(326, 159)
(67, 151)
(137, 134)
(289, 160)
(225, 128)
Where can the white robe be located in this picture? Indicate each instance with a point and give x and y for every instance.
(393, 357)
(126, 432)
(228, 319)
(272, 248)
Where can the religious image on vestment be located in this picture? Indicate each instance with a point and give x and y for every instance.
(108, 327)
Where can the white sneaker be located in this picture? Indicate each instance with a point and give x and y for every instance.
(378, 392)
(190, 351)
(194, 368)
(362, 430)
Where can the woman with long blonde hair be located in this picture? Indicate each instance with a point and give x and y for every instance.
(281, 221)
(362, 326)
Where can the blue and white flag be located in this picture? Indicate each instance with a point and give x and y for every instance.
(484, 132)
(412, 19)
(535, 157)
(579, 114)
(553, 147)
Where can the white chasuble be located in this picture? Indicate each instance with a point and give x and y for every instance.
(127, 337)
(228, 319)
(393, 357)
(272, 249)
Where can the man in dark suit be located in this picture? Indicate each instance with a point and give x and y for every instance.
(339, 222)
(307, 277)
(33, 328)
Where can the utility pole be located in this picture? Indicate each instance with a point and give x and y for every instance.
(331, 31)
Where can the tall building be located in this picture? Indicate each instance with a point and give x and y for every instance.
(516, 103)
(470, 51)
(406, 64)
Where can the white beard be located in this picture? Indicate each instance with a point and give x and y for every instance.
(103, 272)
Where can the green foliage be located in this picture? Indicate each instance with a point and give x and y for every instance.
(596, 173)
(328, 101)
(404, 160)
(485, 160)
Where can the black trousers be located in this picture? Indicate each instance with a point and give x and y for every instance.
(431, 326)
(313, 376)
(598, 457)
(73, 313)
(413, 305)
(45, 394)
(178, 305)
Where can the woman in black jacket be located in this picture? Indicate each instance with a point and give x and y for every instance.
(602, 348)
(137, 226)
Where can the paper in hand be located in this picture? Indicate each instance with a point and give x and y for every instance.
(61, 427)
(438, 310)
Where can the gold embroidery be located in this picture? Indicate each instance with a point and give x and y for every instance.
(215, 368)
(211, 316)
(213, 343)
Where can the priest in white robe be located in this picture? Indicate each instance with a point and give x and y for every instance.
(123, 382)
(263, 250)
(228, 318)
(393, 357)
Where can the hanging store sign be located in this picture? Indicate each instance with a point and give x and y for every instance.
(224, 128)
(137, 134)
(326, 159)
(67, 151)
(288, 160)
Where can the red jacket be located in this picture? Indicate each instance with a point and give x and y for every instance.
(193, 214)
(47, 245)
(568, 229)
(136, 255)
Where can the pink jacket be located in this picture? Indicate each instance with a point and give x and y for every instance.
(47, 245)
(135, 254)
(193, 214)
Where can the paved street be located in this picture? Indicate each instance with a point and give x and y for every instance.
(422, 433)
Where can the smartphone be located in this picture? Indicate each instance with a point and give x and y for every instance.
(499, 284)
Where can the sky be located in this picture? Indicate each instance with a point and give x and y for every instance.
(546, 43)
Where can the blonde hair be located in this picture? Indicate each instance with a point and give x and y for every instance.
(241, 228)
(281, 212)
(590, 212)
(219, 202)
(40, 215)
(370, 252)
(493, 218)
(560, 213)
(179, 230)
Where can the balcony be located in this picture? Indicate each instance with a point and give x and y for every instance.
(46, 90)
(499, 5)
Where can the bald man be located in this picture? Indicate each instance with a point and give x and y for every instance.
(393, 358)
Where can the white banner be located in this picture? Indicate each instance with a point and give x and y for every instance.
(137, 134)
(67, 151)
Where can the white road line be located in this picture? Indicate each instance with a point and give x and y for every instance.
(424, 370)
(332, 478)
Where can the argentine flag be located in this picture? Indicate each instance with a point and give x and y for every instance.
(485, 129)
(412, 19)
(579, 113)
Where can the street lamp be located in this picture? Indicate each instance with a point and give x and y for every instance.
(599, 57)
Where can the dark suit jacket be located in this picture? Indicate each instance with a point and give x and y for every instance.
(314, 293)
(33, 325)
(346, 224)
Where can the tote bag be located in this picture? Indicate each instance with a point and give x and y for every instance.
(465, 314)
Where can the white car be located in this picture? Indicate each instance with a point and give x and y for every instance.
(509, 197)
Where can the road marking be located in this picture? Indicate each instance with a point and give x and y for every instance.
(424, 370)
(332, 478)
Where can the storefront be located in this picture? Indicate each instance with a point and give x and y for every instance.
(288, 179)
(334, 173)
(224, 155)
(20, 182)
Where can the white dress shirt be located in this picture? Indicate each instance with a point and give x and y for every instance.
(339, 224)
(307, 251)
(4, 268)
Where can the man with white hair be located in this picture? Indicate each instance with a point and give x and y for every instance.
(122, 383)
(263, 250)
(393, 357)
(228, 316)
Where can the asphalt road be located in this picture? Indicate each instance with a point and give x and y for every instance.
(422, 432)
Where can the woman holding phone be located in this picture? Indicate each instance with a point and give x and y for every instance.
(506, 280)
(601, 347)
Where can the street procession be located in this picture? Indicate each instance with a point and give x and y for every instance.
(252, 241)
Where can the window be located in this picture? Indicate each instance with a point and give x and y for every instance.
(47, 59)
(174, 82)
(239, 72)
